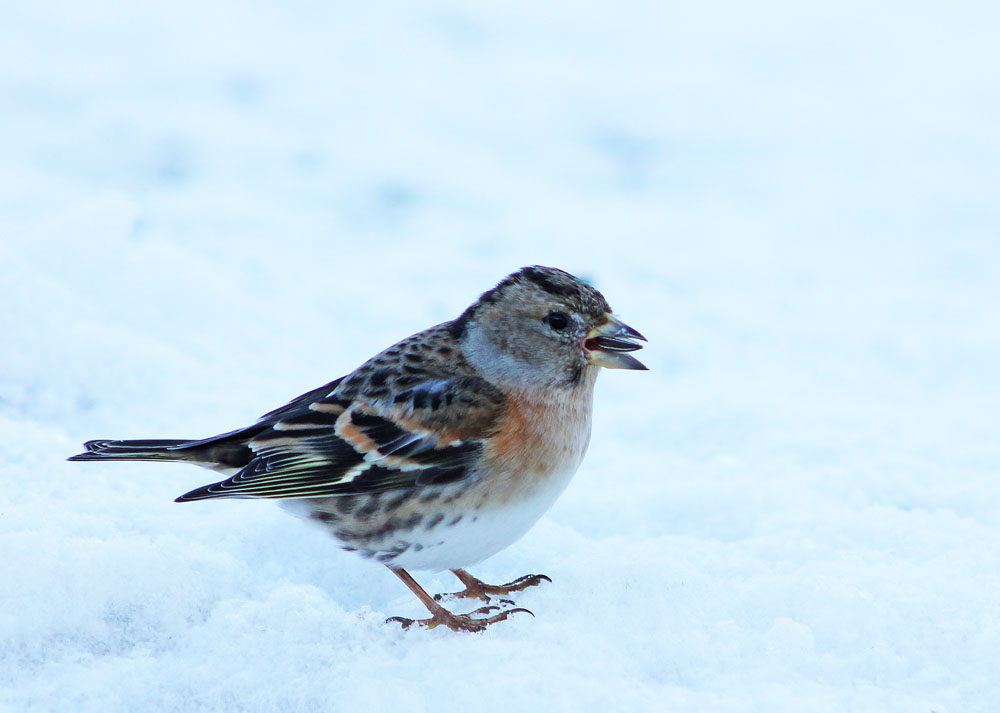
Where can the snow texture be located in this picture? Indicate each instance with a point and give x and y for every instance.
(208, 208)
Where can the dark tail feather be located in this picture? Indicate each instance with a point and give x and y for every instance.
(224, 452)
(137, 450)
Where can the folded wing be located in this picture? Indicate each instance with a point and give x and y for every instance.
(325, 444)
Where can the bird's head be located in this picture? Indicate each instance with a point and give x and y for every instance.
(543, 328)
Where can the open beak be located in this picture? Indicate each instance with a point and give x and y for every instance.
(606, 345)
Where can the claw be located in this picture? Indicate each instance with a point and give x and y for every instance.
(473, 588)
(401, 620)
(478, 589)
(528, 580)
(457, 622)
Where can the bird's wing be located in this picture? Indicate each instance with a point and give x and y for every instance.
(342, 443)
(299, 401)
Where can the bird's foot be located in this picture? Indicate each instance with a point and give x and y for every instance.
(478, 589)
(458, 622)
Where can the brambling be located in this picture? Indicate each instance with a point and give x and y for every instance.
(441, 450)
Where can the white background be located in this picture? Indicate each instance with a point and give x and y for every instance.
(208, 208)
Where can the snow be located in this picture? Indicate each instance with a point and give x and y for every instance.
(209, 208)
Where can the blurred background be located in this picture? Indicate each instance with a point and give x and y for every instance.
(208, 208)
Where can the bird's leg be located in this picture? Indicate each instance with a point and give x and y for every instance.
(478, 589)
(440, 615)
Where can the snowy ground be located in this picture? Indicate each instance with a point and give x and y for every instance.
(208, 208)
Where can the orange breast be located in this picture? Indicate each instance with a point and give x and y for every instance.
(536, 441)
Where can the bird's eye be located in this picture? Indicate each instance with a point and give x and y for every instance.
(557, 320)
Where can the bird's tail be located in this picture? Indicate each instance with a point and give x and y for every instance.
(225, 453)
(173, 449)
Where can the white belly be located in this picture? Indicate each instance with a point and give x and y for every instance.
(479, 534)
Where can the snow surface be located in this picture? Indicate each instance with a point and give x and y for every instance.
(209, 208)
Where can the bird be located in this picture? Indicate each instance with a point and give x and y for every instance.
(439, 451)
